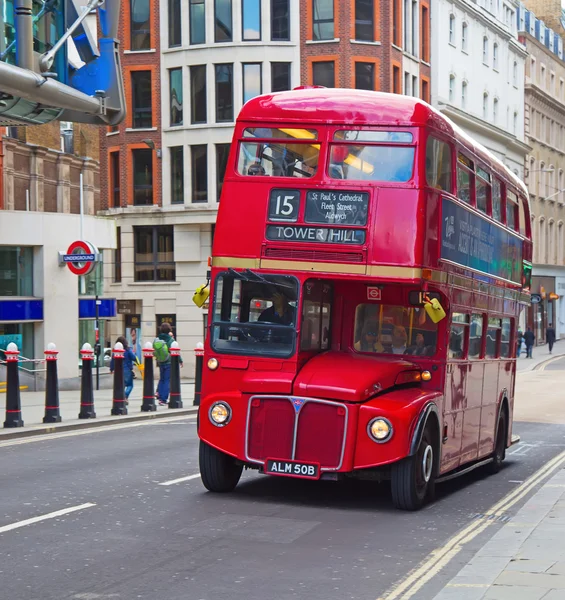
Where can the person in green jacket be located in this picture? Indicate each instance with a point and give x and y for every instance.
(162, 346)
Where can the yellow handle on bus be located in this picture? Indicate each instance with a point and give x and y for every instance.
(201, 295)
(434, 310)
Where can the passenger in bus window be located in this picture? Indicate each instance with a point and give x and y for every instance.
(399, 340)
(256, 169)
(368, 342)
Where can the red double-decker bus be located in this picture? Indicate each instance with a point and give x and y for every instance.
(369, 266)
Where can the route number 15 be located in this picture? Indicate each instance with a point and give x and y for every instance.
(284, 205)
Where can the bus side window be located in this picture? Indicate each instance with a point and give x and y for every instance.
(458, 336)
(465, 179)
(476, 336)
(505, 339)
(511, 210)
(438, 164)
(522, 213)
(496, 200)
(482, 182)
(493, 335)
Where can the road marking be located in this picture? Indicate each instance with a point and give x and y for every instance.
(53, 515)
(90, 430)
(181, 479)
(442, 556)
(548, 362)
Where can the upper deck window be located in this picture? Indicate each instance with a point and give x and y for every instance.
(371, 162)
(280, 157)
(496, 200)
(438, 165)
(482, 191)
(465, 178)
(511, 210)
(399, 137)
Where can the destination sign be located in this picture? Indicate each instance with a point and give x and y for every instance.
(474, 242)
(337, 207)
(322, 235)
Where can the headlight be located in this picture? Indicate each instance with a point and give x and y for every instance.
(379, 429)
(220, 414)
(213, 364)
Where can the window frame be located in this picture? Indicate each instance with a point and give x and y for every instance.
(193, 159)
(243, 68)
(243, 38)
(180, 122)
(200, 27)
(322, 21)
(195, 104)
(357, 22)
(173, 172)
(135, 152)
(230, 68)
(230, 38)
(174, 25)
(136, 111)
(323, 62)
(289, 87)
(133, 33)
(154, 252)
(280, 39)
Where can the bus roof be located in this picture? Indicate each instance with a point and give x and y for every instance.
(339, 106)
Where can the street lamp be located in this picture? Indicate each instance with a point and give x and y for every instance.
(151, 144)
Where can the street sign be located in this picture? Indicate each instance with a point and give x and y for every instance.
(81, 257)
(535, 298)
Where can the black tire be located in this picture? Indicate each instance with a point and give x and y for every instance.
(499, 453)
(219, 472)
(413, 479)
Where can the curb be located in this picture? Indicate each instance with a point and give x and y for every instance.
(92, 423)
(542, 364)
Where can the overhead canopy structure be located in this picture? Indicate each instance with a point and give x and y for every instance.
(54, 65)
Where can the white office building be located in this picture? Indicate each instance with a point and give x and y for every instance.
(478, 73)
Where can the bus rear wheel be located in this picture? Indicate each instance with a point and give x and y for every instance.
(219, 472)
(413, 479)
(499, 453)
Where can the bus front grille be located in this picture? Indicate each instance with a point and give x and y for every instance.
(296, 429)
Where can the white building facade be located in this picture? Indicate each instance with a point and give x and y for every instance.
(478, 73)
(215, 55)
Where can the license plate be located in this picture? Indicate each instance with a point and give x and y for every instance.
(291, 468)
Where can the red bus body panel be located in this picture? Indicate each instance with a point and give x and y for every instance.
(342, 390)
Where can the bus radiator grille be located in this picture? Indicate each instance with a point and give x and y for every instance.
(320, 429)
(314, 255)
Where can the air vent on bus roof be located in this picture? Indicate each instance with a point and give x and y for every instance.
(314, 255)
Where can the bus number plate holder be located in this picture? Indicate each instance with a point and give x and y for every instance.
(292, 468)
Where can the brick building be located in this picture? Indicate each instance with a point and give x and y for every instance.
(367, 44)
(41, 301)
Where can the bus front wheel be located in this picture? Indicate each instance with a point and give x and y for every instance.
(219, 472)
(413, 479)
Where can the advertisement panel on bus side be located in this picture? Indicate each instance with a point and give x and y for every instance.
(479, 244)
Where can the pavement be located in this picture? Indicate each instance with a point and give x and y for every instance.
(540, 355)
(33, 410)
(525, 560)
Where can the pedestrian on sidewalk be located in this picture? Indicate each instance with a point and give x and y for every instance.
(129, 361)
(529, 339)
(162, 346)
(519, 342)
(550, 337)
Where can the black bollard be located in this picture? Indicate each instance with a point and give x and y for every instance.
(148, 404)
(119, 397)
(199, 363)
(13, 400)
(86, 389)
(175, 400)
(52, 411)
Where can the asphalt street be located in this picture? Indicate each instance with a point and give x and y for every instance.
(137, 532)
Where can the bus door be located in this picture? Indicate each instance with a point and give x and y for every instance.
(455, 390)
(315, 327)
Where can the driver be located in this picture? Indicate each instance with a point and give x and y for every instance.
(281, 312)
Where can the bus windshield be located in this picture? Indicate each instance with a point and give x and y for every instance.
(254, 314)
(371, 163)
(392, 329)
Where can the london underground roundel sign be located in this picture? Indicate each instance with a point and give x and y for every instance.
(81, 257)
